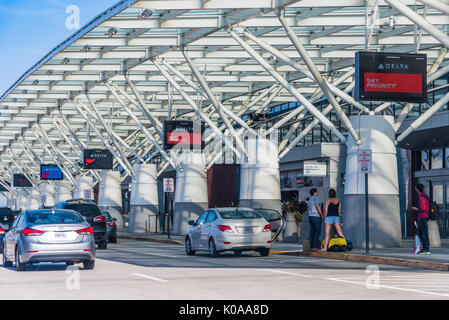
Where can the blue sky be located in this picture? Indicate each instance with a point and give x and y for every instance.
(29, 29)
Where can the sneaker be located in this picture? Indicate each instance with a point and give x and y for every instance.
(427, 252)
(421, 252)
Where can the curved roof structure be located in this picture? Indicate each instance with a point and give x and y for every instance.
(133, 40)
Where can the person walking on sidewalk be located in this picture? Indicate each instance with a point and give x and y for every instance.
(332, 214)
(423, 218)
(315, 218)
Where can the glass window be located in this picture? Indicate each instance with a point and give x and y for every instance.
(447, 196)
(202, 218)
(85, 209)
(211, 217)
(239, 214)
(424, 160)
(437, 158)
(447, 157)
(437, 192)
(54, 217)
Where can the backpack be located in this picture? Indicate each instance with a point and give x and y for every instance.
(337, 244)
(434, 209)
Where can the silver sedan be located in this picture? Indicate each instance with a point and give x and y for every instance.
(49, 236)
(229, 229)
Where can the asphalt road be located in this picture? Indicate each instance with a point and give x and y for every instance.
(145, 270)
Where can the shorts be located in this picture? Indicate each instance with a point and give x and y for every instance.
(332, 220)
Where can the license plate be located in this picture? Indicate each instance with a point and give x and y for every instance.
(60, 235)
(248, 230)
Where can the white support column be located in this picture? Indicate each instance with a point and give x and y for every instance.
(377, 132)
(84, 190)
(318, 78)
(33, 199)
(420, 21)
(110, 196)
(191, 197)
(259, 180)
(144, 202)
(305, 103)
(47, 194)
(21, 201)
(63, 191)
(195, 107)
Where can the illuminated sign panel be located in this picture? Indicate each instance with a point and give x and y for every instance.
(51, 172)
(21, 181)
(397, 77)
(183, 134)
(97, 159)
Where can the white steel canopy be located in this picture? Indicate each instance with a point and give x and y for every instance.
(141, 62)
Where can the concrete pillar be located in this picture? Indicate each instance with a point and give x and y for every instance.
(259, 180)
(110, 196)
(63, 191)
(385, 226)
(47, 196)
(84, 190)
(11, 201)
(144, 199)
(33, 199)
(190, 191)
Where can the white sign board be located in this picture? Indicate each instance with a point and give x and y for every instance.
(364, 161)
(169, 185)
(315, 169)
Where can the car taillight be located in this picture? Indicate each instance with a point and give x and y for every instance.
(2, 231)
(100, 219)
(267, 228)
(224, 228)
(86, 231)
(32, 232)
(111, 223)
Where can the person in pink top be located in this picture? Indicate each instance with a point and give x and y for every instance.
(423, 218)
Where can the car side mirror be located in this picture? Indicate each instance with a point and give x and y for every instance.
(191, 223)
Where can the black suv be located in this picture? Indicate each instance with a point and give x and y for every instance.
(93, 215)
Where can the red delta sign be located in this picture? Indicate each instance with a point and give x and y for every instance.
(384, 76)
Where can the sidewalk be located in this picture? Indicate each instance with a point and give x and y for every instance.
(403, 256)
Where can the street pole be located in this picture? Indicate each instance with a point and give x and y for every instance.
(366, 216)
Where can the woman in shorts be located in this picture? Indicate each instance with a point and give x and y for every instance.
(332, 213)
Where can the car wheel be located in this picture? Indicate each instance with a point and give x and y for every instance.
(6, 263)
(88, 264)
(237, 252)
(213, 249)
(264, 252)
(103, 244)
(188, 245)
(114, 240)
(19, 266)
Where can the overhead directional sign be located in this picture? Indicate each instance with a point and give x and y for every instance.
(97, 159)
(315, 169)
(183, 134)
(21, 181)
(364, 161)
(51, 172)
(384, 76)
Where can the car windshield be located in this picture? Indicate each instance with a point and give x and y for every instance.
(239, 214)
(54, 217)
(89, 210)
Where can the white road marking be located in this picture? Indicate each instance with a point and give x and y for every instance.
(390, 287)
(149, 277)
(289, 273)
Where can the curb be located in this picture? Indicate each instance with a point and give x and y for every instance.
(439, 266)
(171, 241)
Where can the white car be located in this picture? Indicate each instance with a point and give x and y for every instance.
(233, 229)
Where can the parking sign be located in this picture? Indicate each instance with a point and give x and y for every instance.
(364, 161)
(169, 185)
